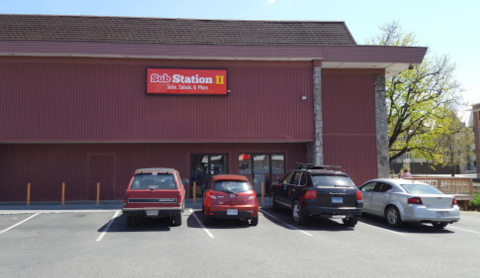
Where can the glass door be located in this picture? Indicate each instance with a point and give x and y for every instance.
(260, 168)
(203, 166)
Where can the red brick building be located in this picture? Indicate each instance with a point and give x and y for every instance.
(77, 104)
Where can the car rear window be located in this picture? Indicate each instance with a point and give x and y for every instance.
(231, 186)
(421, 189)
(332, 181)
(153, 181)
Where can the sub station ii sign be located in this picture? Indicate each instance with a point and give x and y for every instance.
(186, 81)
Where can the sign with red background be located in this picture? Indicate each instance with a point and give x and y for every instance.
(186, 81)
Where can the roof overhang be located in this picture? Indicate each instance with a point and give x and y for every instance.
(392, 59)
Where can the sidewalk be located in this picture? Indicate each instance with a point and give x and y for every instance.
(85, 206)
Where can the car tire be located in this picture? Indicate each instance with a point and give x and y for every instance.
(299, 216)
(177, 219)
(350, 222)
(439, 225)
(393, 216)
(254, 221)
(273, 205)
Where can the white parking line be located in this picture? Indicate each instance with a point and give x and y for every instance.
(293, 227)
(470, 218)
(450, 227)
(11, 227)
(108, 226)
(382, 229)
(201, 224)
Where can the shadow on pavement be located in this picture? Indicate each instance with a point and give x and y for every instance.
(216, 223)
(119, 225)
(407, 228)
(314, 224)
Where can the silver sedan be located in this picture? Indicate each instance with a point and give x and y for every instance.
(409, 201)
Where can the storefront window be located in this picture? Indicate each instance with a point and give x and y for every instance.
(278, 162)
(244, 162)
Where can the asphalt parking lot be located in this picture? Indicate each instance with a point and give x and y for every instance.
(99, 244)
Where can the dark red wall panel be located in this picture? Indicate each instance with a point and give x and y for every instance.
(349, 122)
(102, 100)
(81, 166)
(356, 155)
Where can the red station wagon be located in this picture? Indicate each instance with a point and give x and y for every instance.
(230, 196)
(155, 193)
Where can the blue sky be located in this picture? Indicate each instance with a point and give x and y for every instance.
(446, 27)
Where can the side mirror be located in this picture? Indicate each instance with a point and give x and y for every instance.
(185, 181)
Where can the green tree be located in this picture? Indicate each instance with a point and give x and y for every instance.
(418, 100)
(457, 144)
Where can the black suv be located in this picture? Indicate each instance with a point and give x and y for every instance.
(315, 191)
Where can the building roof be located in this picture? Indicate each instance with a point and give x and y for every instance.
(57, 28)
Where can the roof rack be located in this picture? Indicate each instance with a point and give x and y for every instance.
(312, 166)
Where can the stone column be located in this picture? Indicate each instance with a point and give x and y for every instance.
(476, 131)
(381, 125)
(315, 149)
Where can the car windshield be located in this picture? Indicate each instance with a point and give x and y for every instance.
(421, 189)
(330, 181)
(231, 186)
(153, 181)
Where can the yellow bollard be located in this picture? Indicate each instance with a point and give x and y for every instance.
(98, 193)
(63, 193)
(28, 194)
(262, 191)
(194, 191)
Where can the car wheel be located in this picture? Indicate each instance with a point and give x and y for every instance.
(350, 222)
(177, 219)
(254, 221)
(298, 215)
(439, 225)
(273, 205)
(393, 216)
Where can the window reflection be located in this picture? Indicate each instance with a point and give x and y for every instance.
(244, 161)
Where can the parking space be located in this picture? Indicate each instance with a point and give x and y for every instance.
(53, 243)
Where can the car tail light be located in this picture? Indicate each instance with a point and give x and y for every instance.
(415, 201)
(125, 200)
(212, 196)
(359, 196)
(454, 202)
(252, 197)
(311, 194)
(179, 199)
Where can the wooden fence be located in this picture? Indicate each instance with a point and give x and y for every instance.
(453, 186)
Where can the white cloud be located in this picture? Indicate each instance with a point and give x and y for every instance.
(271, 1)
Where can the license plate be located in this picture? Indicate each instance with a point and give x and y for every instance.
(152, 212)
(442, 213)
(232, 211)
(337, 200)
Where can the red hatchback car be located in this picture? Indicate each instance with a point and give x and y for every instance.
(230, 196)
(155, 193)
